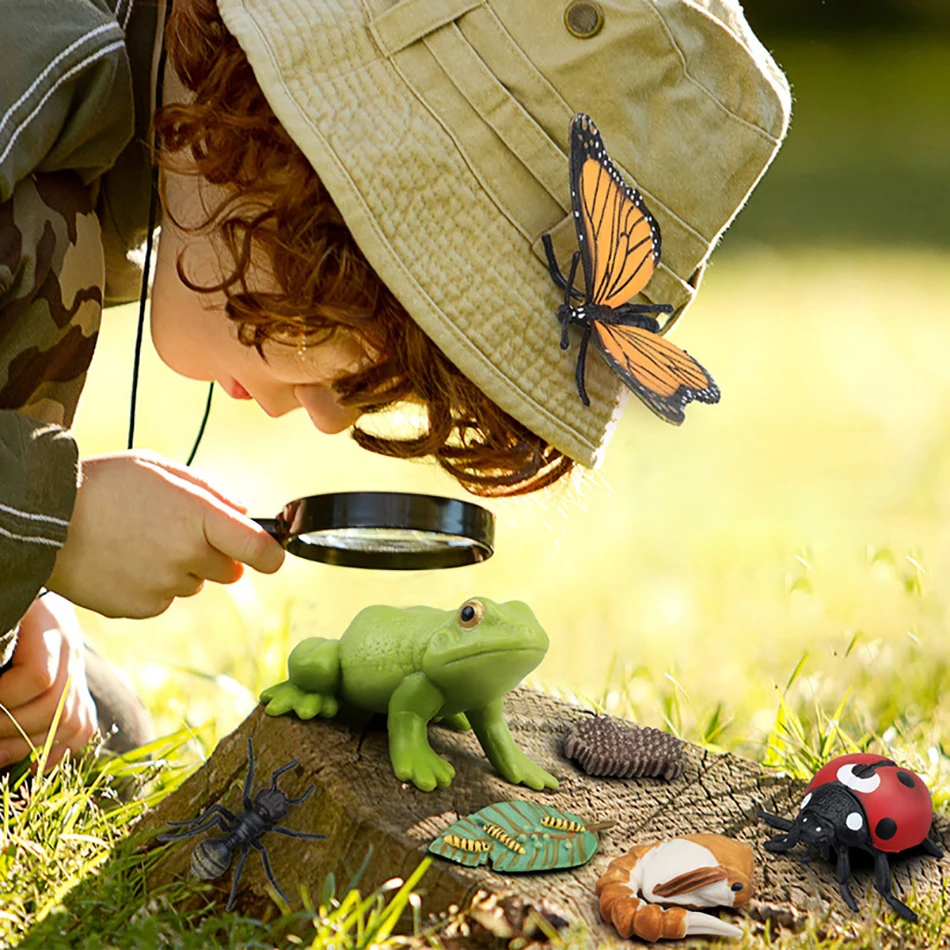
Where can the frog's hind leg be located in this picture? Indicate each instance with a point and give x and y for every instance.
(314, 667)
(456, 721)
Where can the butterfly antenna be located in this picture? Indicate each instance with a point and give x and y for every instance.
(568, 288)
(555, 271)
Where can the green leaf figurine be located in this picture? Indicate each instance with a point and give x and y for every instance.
(519, 836)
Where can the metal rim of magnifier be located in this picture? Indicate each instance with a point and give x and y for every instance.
(386, 510)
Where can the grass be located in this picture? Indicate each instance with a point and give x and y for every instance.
(762, 607)
(737, 579)
(770, 579)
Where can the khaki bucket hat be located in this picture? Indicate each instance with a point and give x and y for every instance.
(440, 129)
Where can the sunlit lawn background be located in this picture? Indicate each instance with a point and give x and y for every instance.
(808, 512)
(792, 541)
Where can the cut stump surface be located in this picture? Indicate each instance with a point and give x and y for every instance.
(358, 802)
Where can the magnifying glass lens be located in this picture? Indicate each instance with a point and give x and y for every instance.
(389, 540)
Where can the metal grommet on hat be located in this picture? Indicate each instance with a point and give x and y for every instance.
(584, 19)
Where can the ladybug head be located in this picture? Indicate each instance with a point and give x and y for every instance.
(829, 814)
(816, 828)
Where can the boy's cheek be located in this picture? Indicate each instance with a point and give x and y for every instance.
(178, 349)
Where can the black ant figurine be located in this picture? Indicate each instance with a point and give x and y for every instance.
(212, 857)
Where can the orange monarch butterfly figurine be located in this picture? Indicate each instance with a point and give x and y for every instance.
(619, 243)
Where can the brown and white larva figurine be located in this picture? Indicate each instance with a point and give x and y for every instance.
(694, 871)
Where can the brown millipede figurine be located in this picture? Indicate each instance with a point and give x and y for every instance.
(694, 871)
(605, 746)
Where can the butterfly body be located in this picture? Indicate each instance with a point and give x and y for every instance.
(619, 247)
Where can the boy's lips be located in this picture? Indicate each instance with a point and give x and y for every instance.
(235, 390)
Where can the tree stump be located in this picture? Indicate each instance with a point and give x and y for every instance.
(358, 802)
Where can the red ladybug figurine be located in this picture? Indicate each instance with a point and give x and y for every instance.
(863, 801)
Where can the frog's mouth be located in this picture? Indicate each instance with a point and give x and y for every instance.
(507, 652)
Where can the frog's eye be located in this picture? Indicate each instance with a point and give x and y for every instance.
(470, 614)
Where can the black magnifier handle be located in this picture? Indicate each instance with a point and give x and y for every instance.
(272, 527)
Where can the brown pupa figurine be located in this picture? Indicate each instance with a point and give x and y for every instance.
(693, 872)
(605, 747)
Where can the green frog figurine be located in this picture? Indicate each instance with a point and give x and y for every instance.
(419, 664)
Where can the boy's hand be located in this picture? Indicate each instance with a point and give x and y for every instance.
(49, 651)
(146, 530)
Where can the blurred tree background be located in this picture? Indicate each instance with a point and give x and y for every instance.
(869, 148)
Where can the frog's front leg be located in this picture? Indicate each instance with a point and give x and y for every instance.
(499, 745)
(413, 703)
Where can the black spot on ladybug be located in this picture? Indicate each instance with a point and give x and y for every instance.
(867, 769)
(886, 828)
(905, 778)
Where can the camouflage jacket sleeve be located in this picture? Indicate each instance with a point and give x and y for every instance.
(66, 93)
(76, 89)
(71, 101)
(38, 469)
(51, 277)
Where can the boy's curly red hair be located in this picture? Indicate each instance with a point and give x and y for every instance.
(280, 207)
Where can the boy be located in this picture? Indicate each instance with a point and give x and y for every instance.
(355, 193)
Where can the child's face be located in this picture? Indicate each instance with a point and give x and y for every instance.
(194, 336)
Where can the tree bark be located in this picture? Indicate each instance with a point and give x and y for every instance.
(359, 803)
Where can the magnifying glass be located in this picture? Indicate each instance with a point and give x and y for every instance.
(394, 531)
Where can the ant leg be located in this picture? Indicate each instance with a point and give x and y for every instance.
(301, 798)
(267, 868)
(202, 815)
(237, 877)
(281, 770)
(281, 830)
(844, 875)
(882, 880)
(249, 780)
(581, 365)
(555, 271)
(783, 824)
(209, 822)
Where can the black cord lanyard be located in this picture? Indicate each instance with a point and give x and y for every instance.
(146, 266)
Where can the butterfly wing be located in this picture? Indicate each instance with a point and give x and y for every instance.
(665, 377)
(618, 238)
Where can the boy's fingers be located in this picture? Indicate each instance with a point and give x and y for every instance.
(242, 539)
(36, 662)
(183, 472)
(37, 716)
(190, 586)
(217, 567)
(13, 750)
